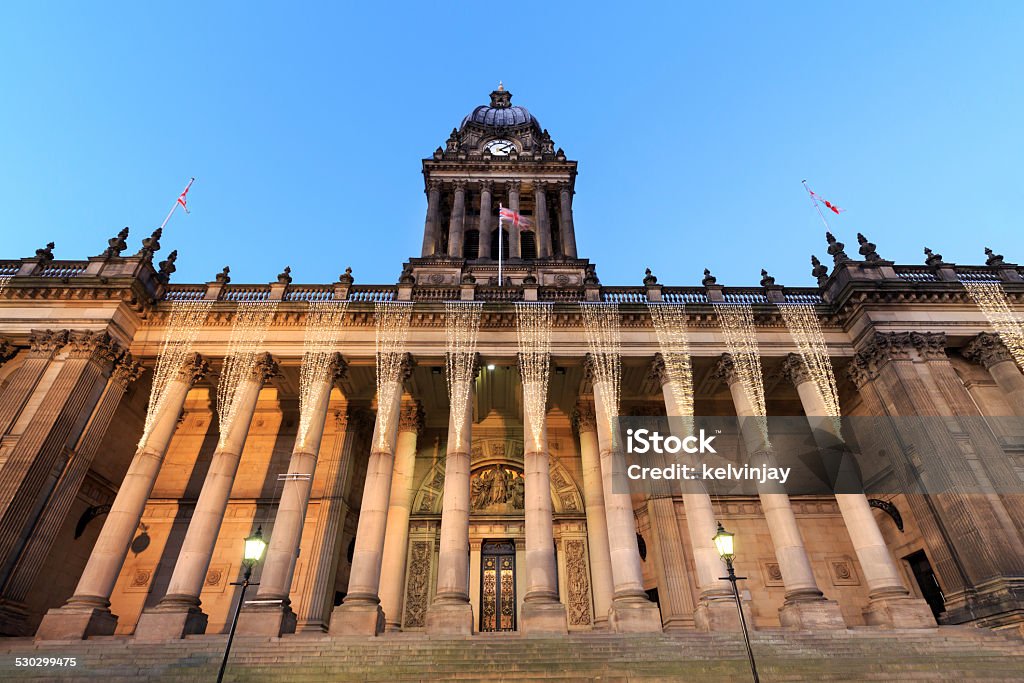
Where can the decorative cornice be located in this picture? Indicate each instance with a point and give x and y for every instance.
(795, 369)
(725, 370)
(988, 349)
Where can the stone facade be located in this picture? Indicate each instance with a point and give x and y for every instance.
(78, 341)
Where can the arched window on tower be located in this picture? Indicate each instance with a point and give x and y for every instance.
(471, 244)
(528, 244)
(504, 244)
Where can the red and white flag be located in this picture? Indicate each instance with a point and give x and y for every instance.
(514, 217)
(821, 200)
(183, 197)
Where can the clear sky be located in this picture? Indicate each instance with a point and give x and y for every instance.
(693, 125)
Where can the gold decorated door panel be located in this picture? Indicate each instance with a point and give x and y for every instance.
(498, 586)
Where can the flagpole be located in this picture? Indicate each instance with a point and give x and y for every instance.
(176, 202)
(817, 208)
(500, 207)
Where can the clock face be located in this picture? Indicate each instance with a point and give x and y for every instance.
(500, 148)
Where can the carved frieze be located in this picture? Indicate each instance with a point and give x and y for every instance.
(497, 489)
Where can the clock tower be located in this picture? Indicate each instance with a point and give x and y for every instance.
(498, 156)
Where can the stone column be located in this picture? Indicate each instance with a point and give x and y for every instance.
(989, 350)
(457, 224)
(43, 531)
(805, 606)
(890, 603)
(396, 539)
(597, 524)
(716, 608)
(540, 201)
(264, 617)
(565, 223)
(43, 346)
(514, 245)
(178, 613)
(631, 611)
(450, 613)
(485, 225)
(542, 612)
(432, 229)
(87, 612)
(44, 445)
(360, 613)
(317, 596)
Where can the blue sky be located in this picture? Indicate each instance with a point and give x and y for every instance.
(693, 125)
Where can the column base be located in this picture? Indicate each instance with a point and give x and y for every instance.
(171, 620)
(900, 611)
(450, 619)
(72, 622)
(357, 619)
(543, 618)
(634, 615)
(812, 615)
(266, 620)
(719, 614)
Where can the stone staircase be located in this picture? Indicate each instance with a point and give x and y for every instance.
(949, 653)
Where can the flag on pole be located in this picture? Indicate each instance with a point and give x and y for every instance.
(517, 219)
(829, 205)
(183, 197)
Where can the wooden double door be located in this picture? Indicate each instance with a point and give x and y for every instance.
(497, 586)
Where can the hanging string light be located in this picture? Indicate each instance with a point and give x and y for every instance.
(737, 322)
(805, 329)
(533, 325)
(462, 325)
(324, 321)
(252, 319)
(3, 282)
(601, 325)
(1009, 324)
(674, 340)
(393, 319)
(183, 324)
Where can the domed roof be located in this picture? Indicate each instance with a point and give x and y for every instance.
(501, 113)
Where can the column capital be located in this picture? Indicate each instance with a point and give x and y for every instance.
(880, 348)
(459, 184)
(589, 369)
(46, 343)
(434, 185)
(7, 350)
(540, 186)
(930, 345)
(193, 369)
(126, 370)
(987, 349)
(97, 346)
(265, 369)
(486, 185)
(408, 363)
(411, 418)
(795, 369)
(565, 186)
(584, 418)
(337, 369)
(725, 370)
(515, 185)
(657, 370)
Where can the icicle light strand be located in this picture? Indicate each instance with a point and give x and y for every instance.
(324, 321)
(674, 340)
(393, 319)
(601, 324)
(252, 319)
(1009, 324)
(4, 280)
(804, 328)
(462, 325)
(533, 325)
(185, 321)
(741, 339)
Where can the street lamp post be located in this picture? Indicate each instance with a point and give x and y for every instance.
(726, 550)
(254, 547)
